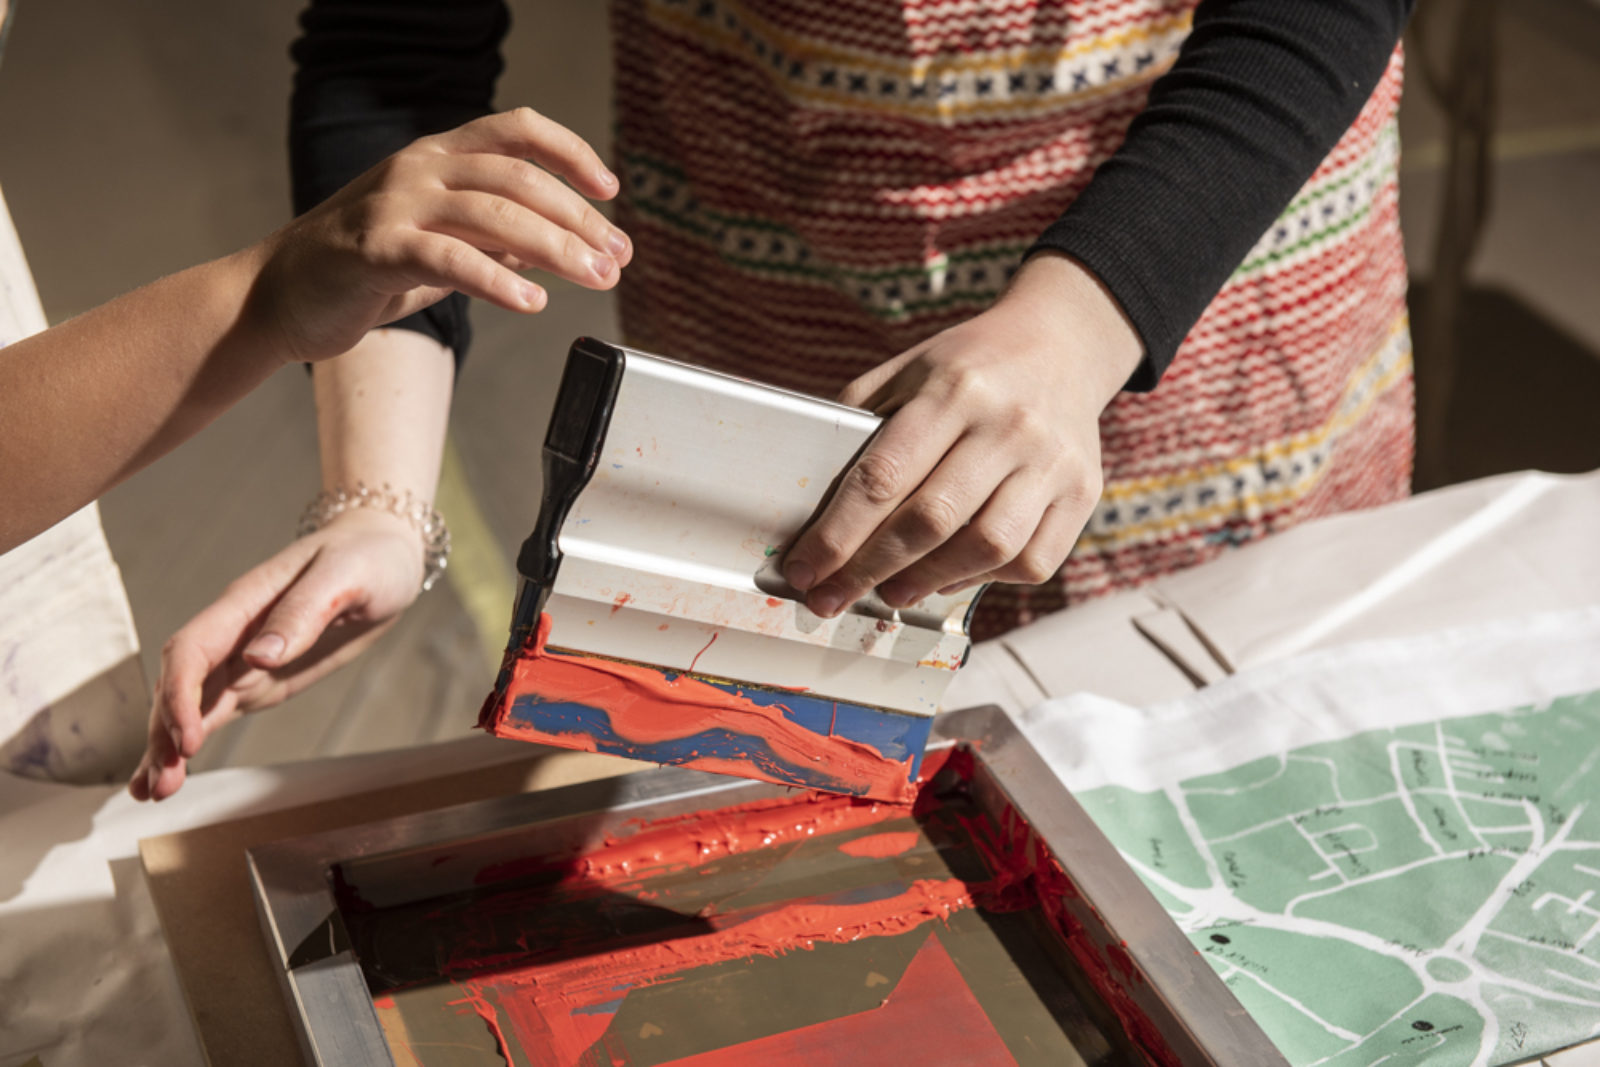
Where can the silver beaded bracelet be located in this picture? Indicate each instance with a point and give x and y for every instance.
(420, 514)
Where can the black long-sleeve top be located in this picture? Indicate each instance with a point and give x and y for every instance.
(1259, 94)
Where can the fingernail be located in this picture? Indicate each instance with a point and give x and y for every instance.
(177, 740)
(602, 266)
(150, 780)
(617, 242)
(898, 594)
(606, 178)
(532, 296)
(800, 575)
(267, 647)
(825, 602)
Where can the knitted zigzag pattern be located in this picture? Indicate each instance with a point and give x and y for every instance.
(816, 185)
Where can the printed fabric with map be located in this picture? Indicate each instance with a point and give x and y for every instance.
(1420, 893)
(1401, 896)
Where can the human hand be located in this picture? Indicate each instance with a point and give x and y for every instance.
(302, 614)
(988, 465)
(461, 210)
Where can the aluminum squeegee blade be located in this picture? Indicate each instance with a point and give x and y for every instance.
(652, 620)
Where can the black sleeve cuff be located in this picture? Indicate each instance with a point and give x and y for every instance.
(374, 75)
(446, 322)
(1261, 91)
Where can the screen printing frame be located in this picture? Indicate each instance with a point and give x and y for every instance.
(418, 856)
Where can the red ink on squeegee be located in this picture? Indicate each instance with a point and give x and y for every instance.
(696, 661)
(644, 708)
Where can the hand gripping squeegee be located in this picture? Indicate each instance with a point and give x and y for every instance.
(652, 620)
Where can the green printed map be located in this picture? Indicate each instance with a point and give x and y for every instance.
(1423, 895)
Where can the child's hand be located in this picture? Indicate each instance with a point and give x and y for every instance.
(462, 210)
(324, 597)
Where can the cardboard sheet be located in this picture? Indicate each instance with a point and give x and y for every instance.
(1096, 647)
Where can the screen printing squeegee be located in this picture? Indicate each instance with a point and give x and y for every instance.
(652, 620)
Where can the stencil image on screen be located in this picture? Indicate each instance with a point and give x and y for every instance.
(806, 929)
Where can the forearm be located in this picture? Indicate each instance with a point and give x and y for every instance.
(382, 410)
(91, 401)
(1259, 94)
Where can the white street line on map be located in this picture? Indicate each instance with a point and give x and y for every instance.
(1283, 765)
(1332, 868)
(1471, 767)
(1216, 906)
(1186, 819)
(1564, 953)
(1496, 978)
(1376, 876)
(1477, 798)
(1346, 828)
(1450, 784)
(1247, 831)
(1487, 776)
(1437, 776)
(1180, 893)
(1332, 1028)
(1574, 979)
(1472, 931)
(1583, 769)
(1364, 1038)
(1306, 813)
(1333, 772)
(1394, 748)
(1237, 912)
(1489, 1040)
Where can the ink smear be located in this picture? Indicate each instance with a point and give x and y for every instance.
(626, 709)
(770, 932)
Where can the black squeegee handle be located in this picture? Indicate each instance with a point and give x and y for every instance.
(572, 445)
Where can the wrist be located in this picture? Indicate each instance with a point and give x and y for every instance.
(384, 510)
(263, 316)
(1057, 290)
